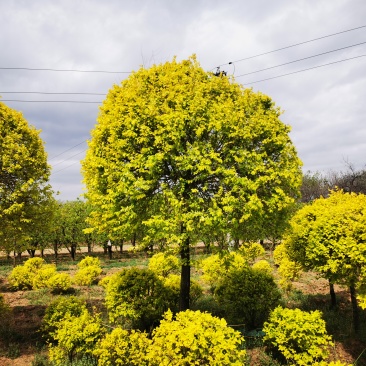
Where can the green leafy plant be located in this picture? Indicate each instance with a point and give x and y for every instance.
(136, 297)
(172, 283)
(86, 276)
(21, 278)
(247, 296)
(263, 266)
(216, 266)
(195, 338)
(58, 310)
(89, 261)
(299, 336)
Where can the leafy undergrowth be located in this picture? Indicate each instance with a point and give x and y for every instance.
(22, 344)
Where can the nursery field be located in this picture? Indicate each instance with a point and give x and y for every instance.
(22, 342)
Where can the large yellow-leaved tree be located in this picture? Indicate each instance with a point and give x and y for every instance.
(24, 174)
(179, 152)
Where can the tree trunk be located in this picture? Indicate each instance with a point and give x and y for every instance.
(31, 252)
(89, 248)
(333, 298)
(121, 246)
(355, 311)
(55, 249)
(42, 253)
(73, 251)
(185, 279)
(134, 240)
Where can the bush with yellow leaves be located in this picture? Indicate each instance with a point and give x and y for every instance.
(88, 272)
(299, 336)
(195, 338)
(76, 337)
(164, 264)
(122, 347)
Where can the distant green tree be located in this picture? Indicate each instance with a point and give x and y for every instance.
(179, 152)
(72, 225)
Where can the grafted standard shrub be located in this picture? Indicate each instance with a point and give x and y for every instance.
(136, 298)
(195, 338)
(300, 336)
(247, 296)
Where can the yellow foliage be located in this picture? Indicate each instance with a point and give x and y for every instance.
(75, 336)
(263, 266)
(122, 347)
(163, 264)
(300, 336)
(195, 338)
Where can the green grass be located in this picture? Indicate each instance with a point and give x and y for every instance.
(39, 297)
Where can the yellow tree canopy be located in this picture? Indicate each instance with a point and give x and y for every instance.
(23, 175)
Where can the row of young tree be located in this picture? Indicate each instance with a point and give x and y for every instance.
(59, 225)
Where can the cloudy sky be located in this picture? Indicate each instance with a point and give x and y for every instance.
(325, 105)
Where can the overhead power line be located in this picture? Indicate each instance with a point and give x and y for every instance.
(66, 167)
(300, 59)
(293, 45)
(303, 70)
(248, 83)
(49, 93)
(70, 157)
(228, 63)
(65, 70)
(65, 151)
(49, 101)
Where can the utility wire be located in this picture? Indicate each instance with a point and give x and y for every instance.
(290, 46)
(300, 59)
(72, 156)
(63, 152)
(66, 167)
(310, 68)
(66, 70)
(248, 83)
(252, 82)
(228, 63)
(50, 93)
(103, 94)
(49, 101)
